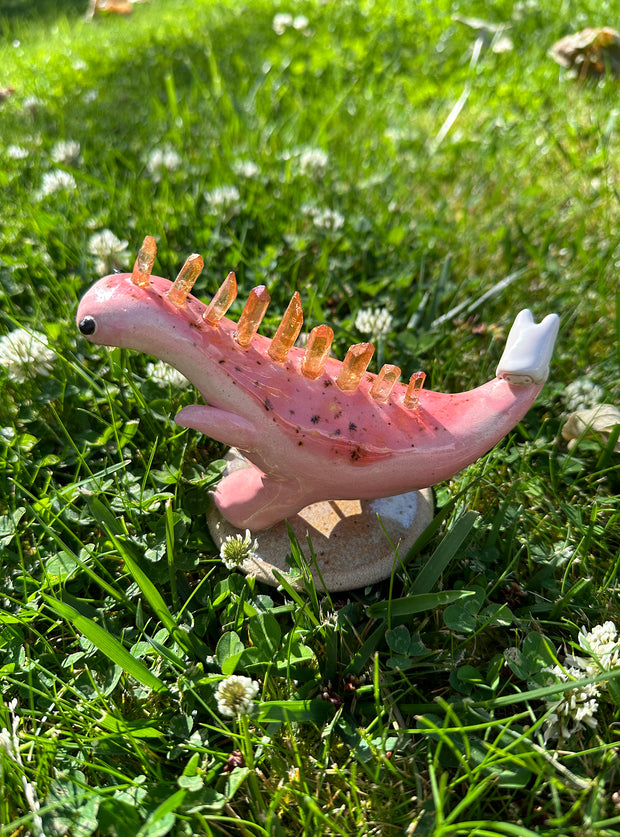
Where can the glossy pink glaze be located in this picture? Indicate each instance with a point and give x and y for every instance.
(308, 440)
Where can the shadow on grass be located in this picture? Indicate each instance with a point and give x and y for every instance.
(33, 9)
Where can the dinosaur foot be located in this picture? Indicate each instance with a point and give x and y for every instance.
(348, 539)
(249, 499)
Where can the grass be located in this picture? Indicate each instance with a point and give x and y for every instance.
(380, 712)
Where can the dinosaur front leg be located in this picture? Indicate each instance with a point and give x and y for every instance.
(247, 497)
(221, 425)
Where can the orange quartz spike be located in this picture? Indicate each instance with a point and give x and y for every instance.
(354, 365)
(384, 382)
(223, 299)
(412, 396)
(252, 315)
(317, 350)
(145, 260)
(288, 330)
(184, 282)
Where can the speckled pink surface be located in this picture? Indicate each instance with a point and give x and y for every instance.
(306, 439)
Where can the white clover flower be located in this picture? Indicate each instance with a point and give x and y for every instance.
(9, 742)
(56, 181)
(601, 643)
(329, 619)
(16, 152)
(236, 550)
(65, 151)
(323, 219)
(313, 162)
(24, 353)
(301, 23)
(31, 103)
(164, 375)
(522, 8)
(328, 219)
(162, 159)
(223, 199)
(374, 321)
(6, 743)
(281, 22)
(246, 168)
(581, 394)
(309, 210)
(600, 635)
(395, 135)
(575, 708)
(235, 695)
(578, 706)
(111, 252)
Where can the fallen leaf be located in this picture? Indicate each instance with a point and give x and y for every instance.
(590, 52)
(119, 7)
(600, 419)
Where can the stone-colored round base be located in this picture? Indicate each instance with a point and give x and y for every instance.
(348, 538)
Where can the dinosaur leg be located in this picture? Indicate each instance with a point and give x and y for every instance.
(247, 498)
(221, 425)
(251, 500)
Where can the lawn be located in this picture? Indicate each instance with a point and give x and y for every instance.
(419, 182)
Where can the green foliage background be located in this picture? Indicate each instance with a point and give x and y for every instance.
(416, 706)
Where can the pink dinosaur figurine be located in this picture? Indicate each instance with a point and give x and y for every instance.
(314, 428)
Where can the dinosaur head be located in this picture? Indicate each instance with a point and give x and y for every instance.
(137, 310)
(115, 312)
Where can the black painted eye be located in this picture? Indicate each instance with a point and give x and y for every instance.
(88, 326)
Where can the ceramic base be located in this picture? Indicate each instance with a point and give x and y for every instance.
(351, 547)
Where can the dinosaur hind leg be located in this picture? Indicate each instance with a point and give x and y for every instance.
(251, 500)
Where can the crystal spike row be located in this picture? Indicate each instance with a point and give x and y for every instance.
(353, 367)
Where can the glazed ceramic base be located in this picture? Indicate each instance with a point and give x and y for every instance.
(348, 538)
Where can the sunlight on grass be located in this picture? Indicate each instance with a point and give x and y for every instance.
(417, 188)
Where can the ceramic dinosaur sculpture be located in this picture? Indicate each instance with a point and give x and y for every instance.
(314, 428)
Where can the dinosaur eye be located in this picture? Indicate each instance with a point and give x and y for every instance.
(88, 326)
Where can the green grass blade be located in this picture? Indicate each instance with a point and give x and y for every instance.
(410, 605)
(360, 659)
(313, 711)
(445, 552)
(288, 587)
(617, 324)
(107, 644)
(151, 593)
